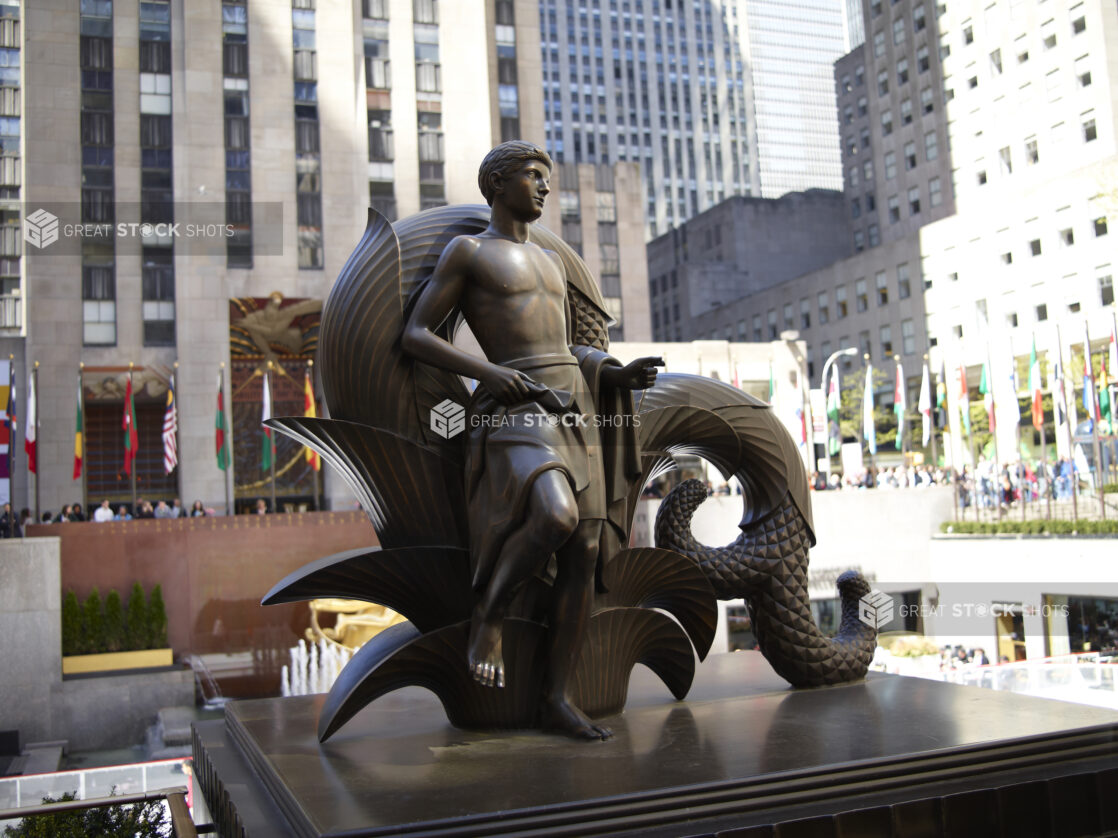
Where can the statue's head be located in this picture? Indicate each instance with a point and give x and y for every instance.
(504, 160)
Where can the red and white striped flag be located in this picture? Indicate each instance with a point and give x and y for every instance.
(170, 431)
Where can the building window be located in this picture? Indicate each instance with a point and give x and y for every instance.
(980, 177)
(824, 308)
(1032, 155)
(922, 60)
(968, 35)
(841, 309)
(863, 106)
(773, 331)
(1005, 161)
(885, 333)
(908, 337)
(902, 72)
(1007, 257)
(1041, 313)
(894, 205)
(881, 282)
(1099, 225)
(789, 323)
(1079, 25)
(861, 297)
(1067, 237)
(878, 44)
(856, 208)
(1083, 71)
(914, 200)
(890, 165)
(909, 156)
(906, 112)
(918, 21)
(935, 196)
(864, 345)
(904, 284)
(805, 313)
(931, 146)
(874, 235)
(927, 105)
(996, 63)
(882, 82)
(1011, 320)
(1106, 290)
(1090, 133)
(98, 305)
(859, 241)
(871, 202)
(757, 334)
(898, 31)
(867, 170)
(1034, 247)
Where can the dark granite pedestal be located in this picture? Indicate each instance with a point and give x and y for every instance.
(744, 755)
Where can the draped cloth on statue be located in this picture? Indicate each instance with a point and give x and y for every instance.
(570, 423)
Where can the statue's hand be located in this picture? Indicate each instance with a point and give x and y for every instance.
(507, 385)
(638, 375)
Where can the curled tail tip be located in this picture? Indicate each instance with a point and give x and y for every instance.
(852, 585)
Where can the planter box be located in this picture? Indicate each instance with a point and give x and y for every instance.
(116, 661)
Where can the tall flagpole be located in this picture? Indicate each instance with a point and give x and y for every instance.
(1043, 438)
(35, 374)
(314, 472)
(85, 454)
(268, 439)
(1071, 432)
(13, 431)
(227, 473)
(1094, 419)
(993, 420)
(935, 455)
(130, 407)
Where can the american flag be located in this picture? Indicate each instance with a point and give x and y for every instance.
(170, 431)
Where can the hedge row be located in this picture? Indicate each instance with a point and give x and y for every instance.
(94, 627)
(1061, 527)
(1110, 488)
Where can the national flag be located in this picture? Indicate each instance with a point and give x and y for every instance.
(986, 388)
(79, 431)
(737, 381)
(869, 433)
(268, 453)
(941, 395)
(1059, 405)
(128, 423)
(309, 410)
(924, 405)
(900, 405)
(10, 411)
(964, 398)
(170, 430)
(219, 426)
(1036, 394)
(1104, 393)
(833, 402)
(1013, 411)
(772, 383)
(1090, 405)
(29, 444)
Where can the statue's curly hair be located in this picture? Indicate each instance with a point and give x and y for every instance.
(504, 159)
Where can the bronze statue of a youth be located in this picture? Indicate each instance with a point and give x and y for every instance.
(534, 488)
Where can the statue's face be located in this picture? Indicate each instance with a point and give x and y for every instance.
(523, 191)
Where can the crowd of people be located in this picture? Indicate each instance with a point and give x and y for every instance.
(14, 526)
(900, 477)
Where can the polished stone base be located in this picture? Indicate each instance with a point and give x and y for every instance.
(743, 750)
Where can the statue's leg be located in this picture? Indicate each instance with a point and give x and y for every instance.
(551, 515)
(574, 593)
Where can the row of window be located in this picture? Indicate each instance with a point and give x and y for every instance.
(1104, 287)
(238, 153)
(308, 158)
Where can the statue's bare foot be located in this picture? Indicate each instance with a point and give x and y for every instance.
(560, 715)
(484, 657)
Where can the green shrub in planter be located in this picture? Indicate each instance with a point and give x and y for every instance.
(139, 820)
(114, 623)
(157, 620)
(71, 624)
(93, 623)
(136, 628)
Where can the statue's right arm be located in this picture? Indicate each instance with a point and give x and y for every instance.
(436, 301)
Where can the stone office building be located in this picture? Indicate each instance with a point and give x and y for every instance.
(277, 122)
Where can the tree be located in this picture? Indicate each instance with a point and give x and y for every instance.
(136, 631)
(71, 625)
(137, 820)
(94, 623)
(114, 623)
(157, 620)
